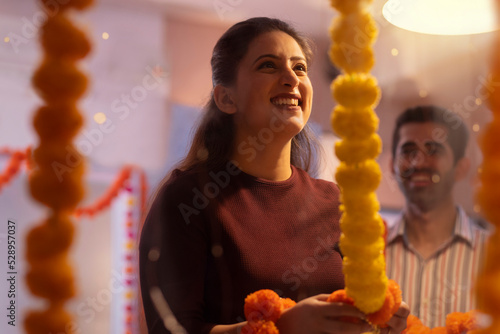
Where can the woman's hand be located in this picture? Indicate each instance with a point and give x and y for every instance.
(398, 321)
(316, 315)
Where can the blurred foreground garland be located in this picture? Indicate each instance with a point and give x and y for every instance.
(488, 198)
(56, 180)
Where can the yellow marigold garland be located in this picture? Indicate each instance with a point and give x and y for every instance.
(353, 32)
(357, 90)
(264, 307)
(60, 84)
(488, 197)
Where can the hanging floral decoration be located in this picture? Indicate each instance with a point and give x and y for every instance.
(456, 323)
(60, 84)
(353, 33)
(20, 157)
(488, 195)
(105, 200)
(13, 167)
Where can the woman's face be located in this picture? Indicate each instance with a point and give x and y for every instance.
(272, 93)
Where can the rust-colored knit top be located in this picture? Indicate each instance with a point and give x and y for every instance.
(224, 234)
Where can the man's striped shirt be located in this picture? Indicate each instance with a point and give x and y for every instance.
(444, 282)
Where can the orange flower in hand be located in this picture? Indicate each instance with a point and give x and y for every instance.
(340, 296)
(263, 305)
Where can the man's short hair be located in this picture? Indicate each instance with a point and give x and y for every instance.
(458, 135)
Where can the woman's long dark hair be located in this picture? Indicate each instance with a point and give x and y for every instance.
(213, 140)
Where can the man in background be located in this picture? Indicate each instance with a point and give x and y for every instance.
(434, 250)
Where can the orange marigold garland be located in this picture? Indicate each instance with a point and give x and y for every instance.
(119, 183)
(105, 200)
(379, 318)
(456, 323)
(353, 33)
(56, 182)
(264, 307)
(488, 196)
(13, 165)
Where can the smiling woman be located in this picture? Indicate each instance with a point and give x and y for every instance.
(242, 212)
(271, 82)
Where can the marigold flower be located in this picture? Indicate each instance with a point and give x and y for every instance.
(263, 305)
(391, 305)
(350, 6)
(413, 321)
(51, 279)
(356, 91)
(488, 291)
(493, 99)
(49, 239)
(439, 330)
(58, 123)
(361, 178)
(368, 298)
(357, 29)
(414, 326)
(458, 322)
(365, 229)
(57, 81)
(487, 198)
(384, 314)
(287, 303)
(260, 327)
(55, 191)
(353, 249)
(489, 140)
(353, 151)
(352, 59)
(368, 290)
(417, 330)
(489, 170)
(359, 205)
(454, 322)
(354, 123)
(470, 322)
(395, 290)
(64, 5)
(52, 320)
(60, 38)
(51, 155)
(340, 296)
(360, 270)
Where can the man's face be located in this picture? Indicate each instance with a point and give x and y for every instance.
(424, 164)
